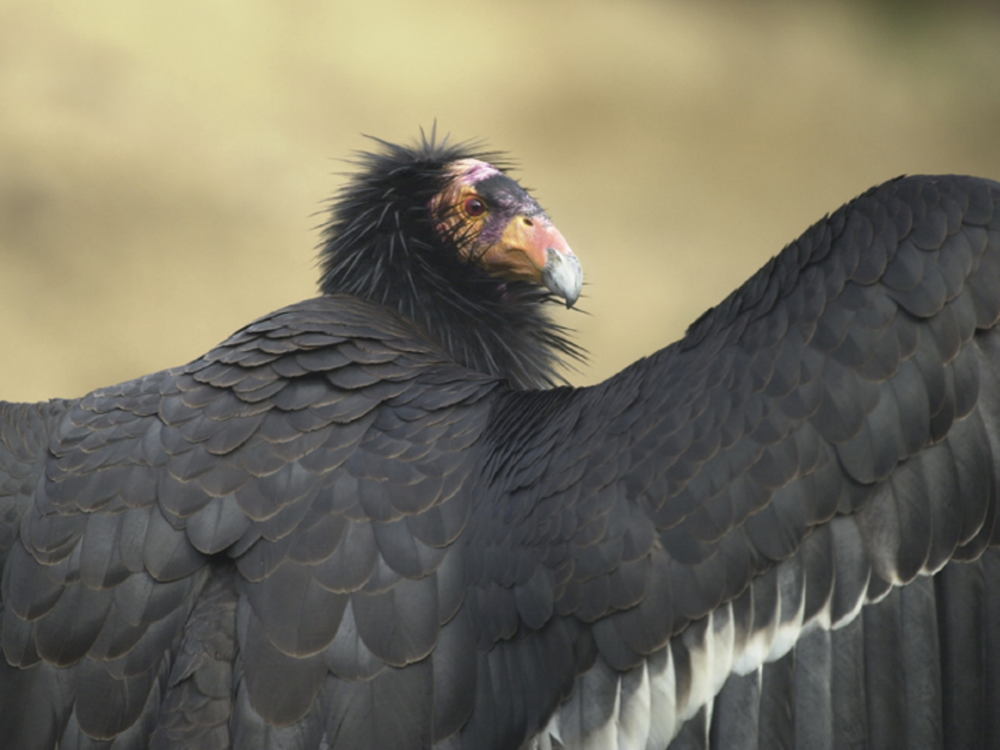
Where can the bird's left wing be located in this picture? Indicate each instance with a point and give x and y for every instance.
(256, 550)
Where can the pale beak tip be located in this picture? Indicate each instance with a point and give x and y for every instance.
(563, 275)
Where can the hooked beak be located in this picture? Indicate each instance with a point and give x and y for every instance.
(563, 274)
(532, 249)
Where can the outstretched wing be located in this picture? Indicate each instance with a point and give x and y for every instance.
(717, 515)
(254, 550)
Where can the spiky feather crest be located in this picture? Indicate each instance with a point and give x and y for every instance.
(382, 244)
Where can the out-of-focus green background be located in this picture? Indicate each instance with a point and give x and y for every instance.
(161, 164)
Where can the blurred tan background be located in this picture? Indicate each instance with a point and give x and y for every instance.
(161, 164)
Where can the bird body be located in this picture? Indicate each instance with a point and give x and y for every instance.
(374, 519)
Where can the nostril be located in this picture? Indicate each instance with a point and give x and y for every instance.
(527, 221)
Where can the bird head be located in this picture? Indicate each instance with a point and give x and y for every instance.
(440, 234)
(446, 211)
(496, 224)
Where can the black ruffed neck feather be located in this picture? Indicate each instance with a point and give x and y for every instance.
(381, 244)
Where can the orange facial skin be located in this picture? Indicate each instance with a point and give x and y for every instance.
(499, 226)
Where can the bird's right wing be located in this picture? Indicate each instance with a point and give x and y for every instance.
(826, 438)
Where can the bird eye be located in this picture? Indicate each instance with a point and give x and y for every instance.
(474, 207)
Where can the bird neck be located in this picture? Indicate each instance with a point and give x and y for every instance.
(499, 328)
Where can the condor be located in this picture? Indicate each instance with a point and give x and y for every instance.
(377, 519)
